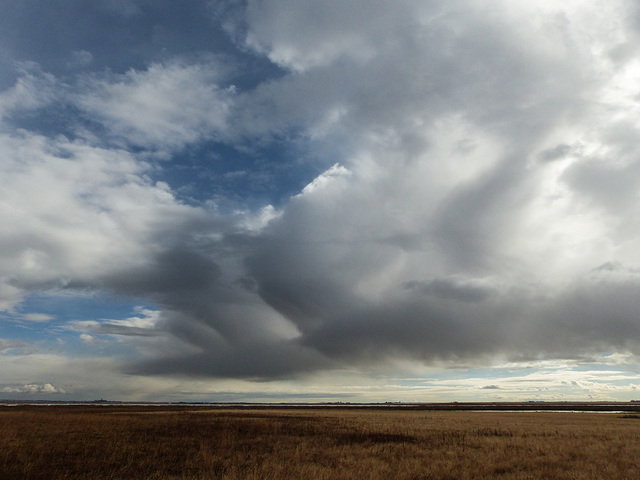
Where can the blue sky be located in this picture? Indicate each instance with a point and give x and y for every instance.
(322, 200)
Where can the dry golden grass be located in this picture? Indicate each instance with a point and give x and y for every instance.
(76, 442)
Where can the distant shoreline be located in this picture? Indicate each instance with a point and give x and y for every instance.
(542, 406)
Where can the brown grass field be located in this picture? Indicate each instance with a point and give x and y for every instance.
(129, 442)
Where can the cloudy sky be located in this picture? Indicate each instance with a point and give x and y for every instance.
(357, 200)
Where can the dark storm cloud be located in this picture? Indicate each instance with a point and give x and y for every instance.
(475, 218)
(597, 314)
(333, 264)
(174, 272)
(455, 288)
(261, 361)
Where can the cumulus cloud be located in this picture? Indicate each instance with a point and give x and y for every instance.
(425, 244)
(475, 178)
(44, 388)
(74, 213)
(448, 240)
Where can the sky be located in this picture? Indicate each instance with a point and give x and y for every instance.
(328, 200)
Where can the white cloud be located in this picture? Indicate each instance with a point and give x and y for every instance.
(163, 107)
(255, 223)
(37, 317)
(282, 29)
(33, 388)
(322, 181)
(33, 89)
(88, 339)
(73, 212)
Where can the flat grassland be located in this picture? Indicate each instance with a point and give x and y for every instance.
(129, 442)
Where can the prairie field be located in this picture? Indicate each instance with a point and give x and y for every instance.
(129, 442)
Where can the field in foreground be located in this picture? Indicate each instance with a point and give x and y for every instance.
(81, 442)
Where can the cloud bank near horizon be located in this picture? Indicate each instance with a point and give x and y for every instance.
(468, 197)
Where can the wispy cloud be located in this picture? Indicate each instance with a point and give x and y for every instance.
(166, 106)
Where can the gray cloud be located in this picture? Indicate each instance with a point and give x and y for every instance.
(261, 361)
(454, 288)
(176, 272)
(338, 261)
(556, 153)
(477, 182)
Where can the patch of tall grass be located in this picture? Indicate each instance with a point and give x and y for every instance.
(74, 442)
